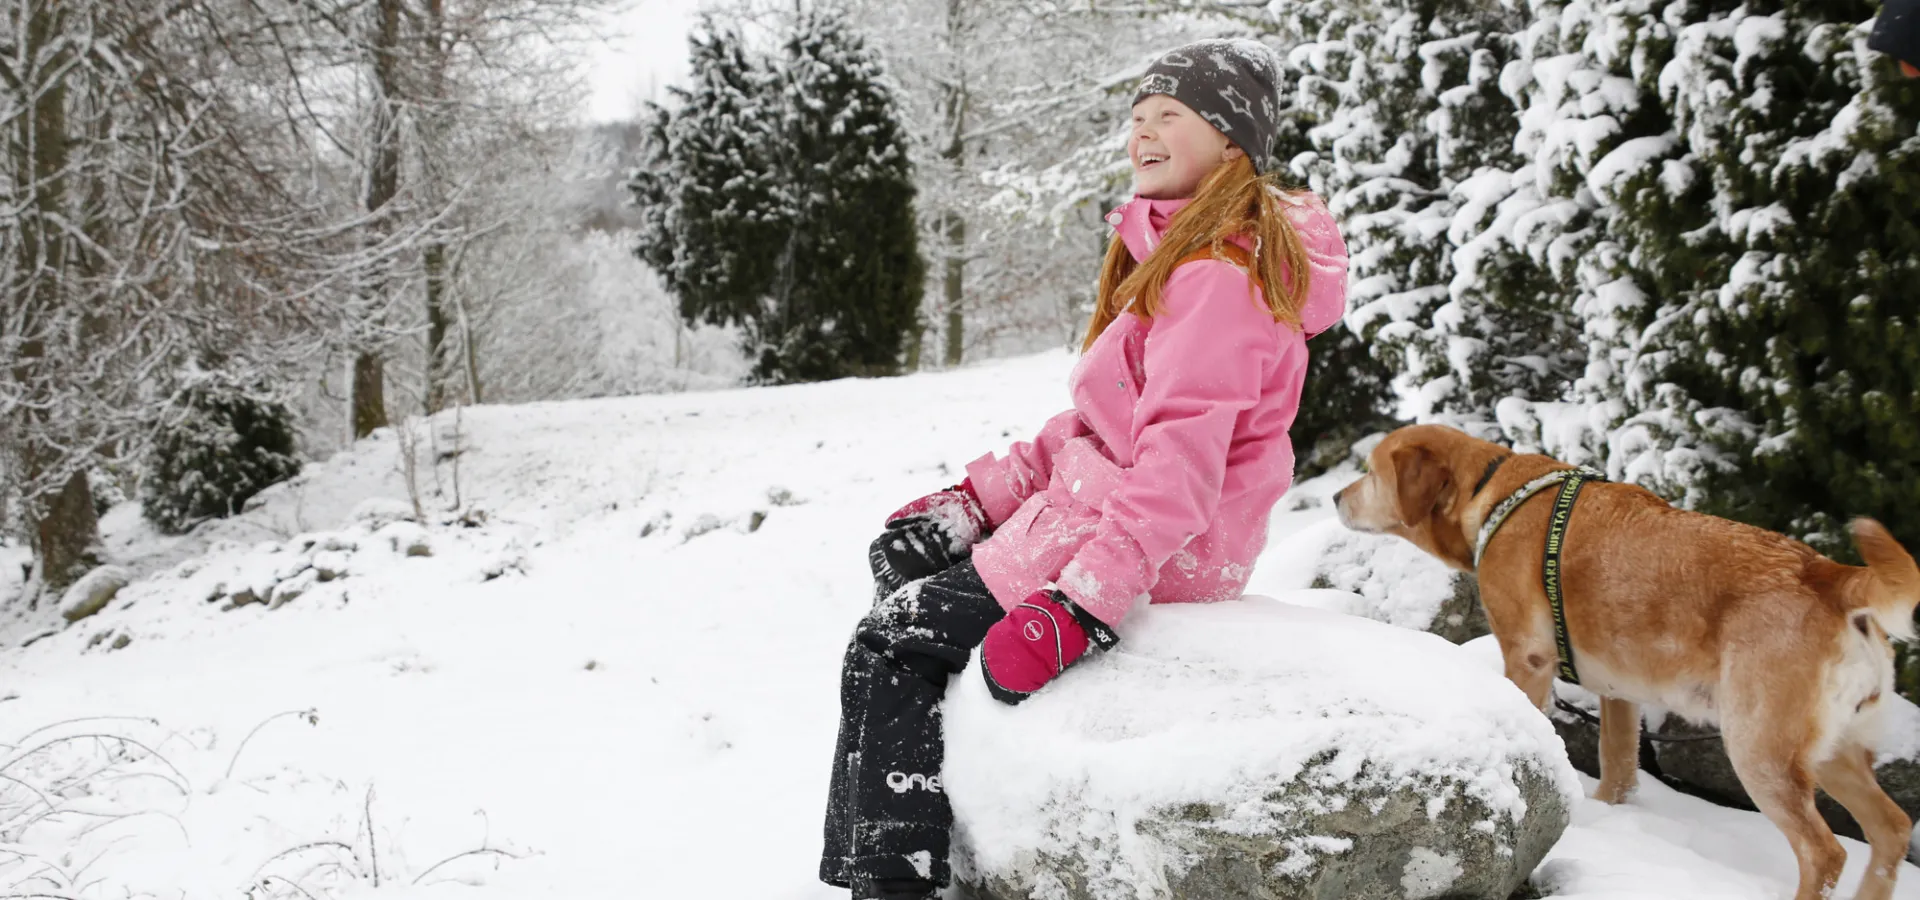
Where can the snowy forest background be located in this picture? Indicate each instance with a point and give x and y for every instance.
(1675, 239)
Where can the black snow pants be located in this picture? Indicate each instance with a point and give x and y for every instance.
(887, 814)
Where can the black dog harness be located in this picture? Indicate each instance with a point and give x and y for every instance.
(1570, 482)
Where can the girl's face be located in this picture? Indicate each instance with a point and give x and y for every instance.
(1173, 149)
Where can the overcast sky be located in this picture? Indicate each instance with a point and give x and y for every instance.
(645, 52)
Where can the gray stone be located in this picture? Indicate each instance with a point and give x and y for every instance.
(93, 592)
(1397, 851)
(287, 591)
(1446, 786)
(329, 565)
(1399, 584)
(1461, 617)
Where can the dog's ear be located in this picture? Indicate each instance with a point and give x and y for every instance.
(1421, 478)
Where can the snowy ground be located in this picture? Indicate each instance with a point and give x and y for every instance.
(615, 687)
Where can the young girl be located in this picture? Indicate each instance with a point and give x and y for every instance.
(1157, 484)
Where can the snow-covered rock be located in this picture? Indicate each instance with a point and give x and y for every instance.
(1398, 583)
(93, 592)
(377, 512)
(1257, 748)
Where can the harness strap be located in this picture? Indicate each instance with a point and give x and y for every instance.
(1570, 481)
(1550, 569)
(1507, 507)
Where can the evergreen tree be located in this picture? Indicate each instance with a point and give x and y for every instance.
(222, 439)
(1409, 118)
(1806, 198)
(709, 191)
(779, 199)
(1348, 392)
(1734, 186)
(849, 276)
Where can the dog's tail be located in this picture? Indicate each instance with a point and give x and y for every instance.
(1893, 586)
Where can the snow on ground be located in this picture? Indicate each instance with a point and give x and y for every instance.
(615, 678)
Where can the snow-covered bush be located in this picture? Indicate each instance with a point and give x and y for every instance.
(220, 441)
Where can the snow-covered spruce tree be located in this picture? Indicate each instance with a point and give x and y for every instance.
(1733, 193)
(848, 275)
(1411, 116)
(781, 200)
(1348, 392)
(708, 191)
(220, 440)
(1805, 187)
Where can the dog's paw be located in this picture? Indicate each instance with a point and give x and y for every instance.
(1613, 794)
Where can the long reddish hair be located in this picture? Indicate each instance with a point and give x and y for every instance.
(1233, 200)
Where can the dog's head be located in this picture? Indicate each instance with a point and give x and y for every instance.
(1414, 489)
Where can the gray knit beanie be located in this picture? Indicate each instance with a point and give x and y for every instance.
(1233, 84)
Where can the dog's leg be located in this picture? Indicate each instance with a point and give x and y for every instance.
(1619, 749)
(1768, 748)
(1530, 658)
(1848, 776)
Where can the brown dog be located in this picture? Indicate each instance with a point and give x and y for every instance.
(1717, 621)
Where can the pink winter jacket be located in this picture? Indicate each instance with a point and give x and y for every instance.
(1160, 480)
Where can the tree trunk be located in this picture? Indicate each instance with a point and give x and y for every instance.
(369, 393)
(955, 224)
(383, 184)
(68, 535)
(433, 258)
(956, 264)
(440, 366)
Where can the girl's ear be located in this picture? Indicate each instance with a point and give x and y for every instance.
(1232, 152)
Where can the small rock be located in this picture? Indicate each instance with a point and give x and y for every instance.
(330, 565)
(239, 598)
(378, 512)
(754, 522)
(406, 538)
(293, 565)
(93, 592)
(708, 522)
(779, 496)
(287, 591)
(339, 543)
(121, 642)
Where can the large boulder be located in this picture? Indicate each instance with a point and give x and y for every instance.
(93, 592)
(1256, 749)
(1399, 584)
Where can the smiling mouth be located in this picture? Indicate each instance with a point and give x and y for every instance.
(1150, 160)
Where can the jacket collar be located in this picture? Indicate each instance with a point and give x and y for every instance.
(1142, 221)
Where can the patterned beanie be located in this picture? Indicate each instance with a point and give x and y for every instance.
(1233, 84)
